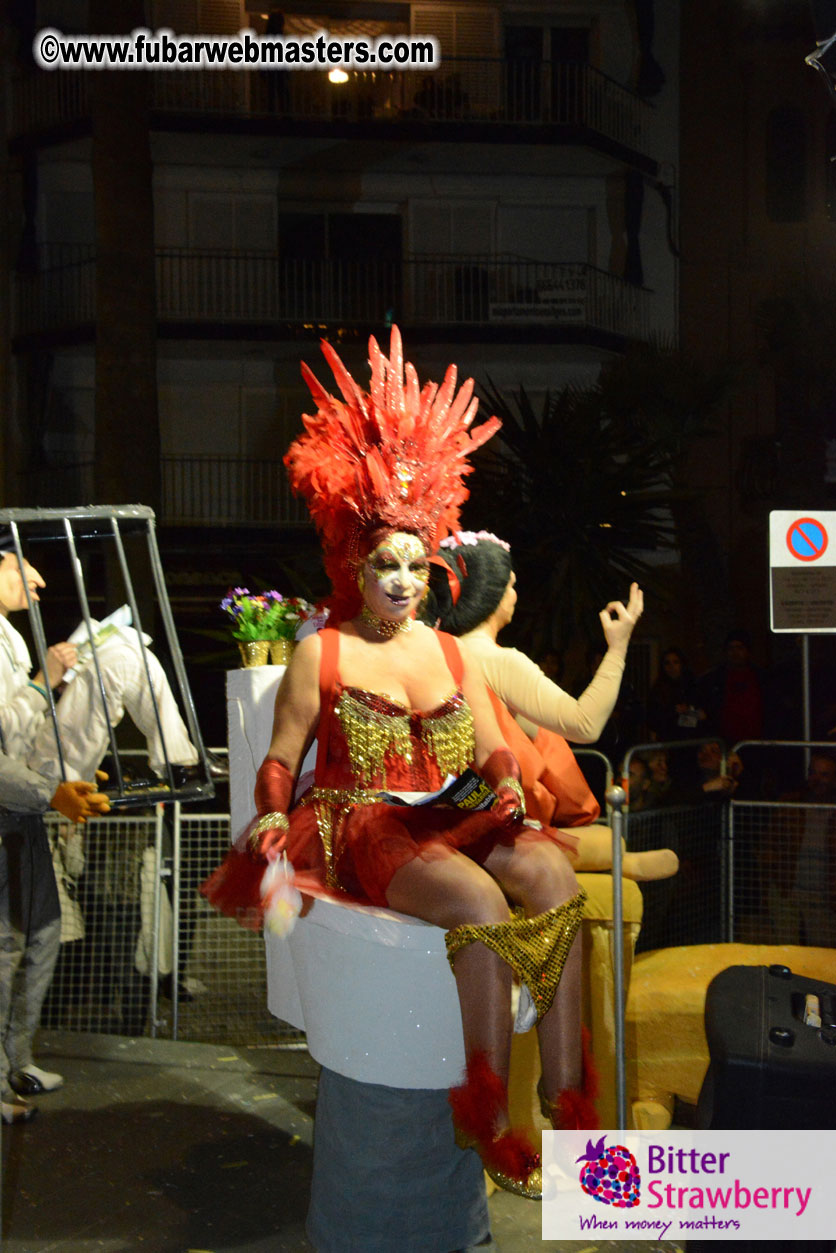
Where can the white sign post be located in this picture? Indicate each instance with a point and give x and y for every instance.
(802, 584)
(802, 560)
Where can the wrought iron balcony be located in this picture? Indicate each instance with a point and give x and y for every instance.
(196, 491)
(200, 292)
(221, 491)
(484, 96)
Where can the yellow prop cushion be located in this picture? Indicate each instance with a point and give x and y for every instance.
(667, 1053)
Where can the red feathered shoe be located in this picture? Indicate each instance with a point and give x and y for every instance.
(507, 1156)
(574, 1109)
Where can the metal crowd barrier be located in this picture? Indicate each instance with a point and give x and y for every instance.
(692, 907)
(150, 956)
(142, 951)
(783, 846)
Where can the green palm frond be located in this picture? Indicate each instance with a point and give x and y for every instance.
(583, 498)
(667, 394)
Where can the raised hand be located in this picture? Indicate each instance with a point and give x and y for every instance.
(619, 620)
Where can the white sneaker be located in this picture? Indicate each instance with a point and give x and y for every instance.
(31, 1080)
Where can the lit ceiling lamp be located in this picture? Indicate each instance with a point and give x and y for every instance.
(337, 76)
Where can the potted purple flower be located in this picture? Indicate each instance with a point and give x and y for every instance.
(264, 623)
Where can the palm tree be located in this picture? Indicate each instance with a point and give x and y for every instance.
(668, 396)
(581, 498)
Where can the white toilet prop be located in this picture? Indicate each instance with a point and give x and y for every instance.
(371, 988)
(374, 993)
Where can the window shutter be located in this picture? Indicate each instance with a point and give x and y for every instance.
(468, 30)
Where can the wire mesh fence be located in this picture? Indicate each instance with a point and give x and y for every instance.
(687, 908)
(678, 800)
(122, 968)
(783, 887)
(143, 953)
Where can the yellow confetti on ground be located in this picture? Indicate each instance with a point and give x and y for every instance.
(226, 1166)
(233, 1057)
(294, 1140)
(266, 1096)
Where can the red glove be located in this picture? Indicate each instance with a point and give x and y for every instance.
(273, 794)
(502, 772)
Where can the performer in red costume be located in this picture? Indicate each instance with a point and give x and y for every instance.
(395, 709)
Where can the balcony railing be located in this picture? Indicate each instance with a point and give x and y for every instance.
(490, 92)
(196, 491)
(218, 491)
(257, 288)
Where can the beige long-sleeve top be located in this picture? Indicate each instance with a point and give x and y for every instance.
(533, 698)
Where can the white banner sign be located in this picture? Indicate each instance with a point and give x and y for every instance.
(680, 1185)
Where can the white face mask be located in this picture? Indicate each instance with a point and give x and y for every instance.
(395, 576)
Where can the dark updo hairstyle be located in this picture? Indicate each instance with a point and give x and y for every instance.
(481, 570)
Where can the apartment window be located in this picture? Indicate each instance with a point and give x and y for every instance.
(786, 165)
(544, 72)
(547, 43)
(340, 236)
(569, 43)
(231, 221)
(341, 266)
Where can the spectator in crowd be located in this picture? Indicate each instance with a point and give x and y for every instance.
(733, 694)
(638, 784)
(714, 781)
(672, 712)
(801, 858)
(662, 790)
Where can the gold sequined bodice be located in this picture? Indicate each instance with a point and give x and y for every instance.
(390, 745)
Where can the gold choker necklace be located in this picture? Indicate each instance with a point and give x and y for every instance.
(386, 628)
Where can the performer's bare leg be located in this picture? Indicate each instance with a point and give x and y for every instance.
(539, 876)
(450, 892)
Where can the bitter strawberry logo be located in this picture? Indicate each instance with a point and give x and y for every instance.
(610, 1175)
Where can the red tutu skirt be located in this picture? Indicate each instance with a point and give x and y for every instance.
(370, 844)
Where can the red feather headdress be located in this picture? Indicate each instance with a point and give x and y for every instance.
(394, 457)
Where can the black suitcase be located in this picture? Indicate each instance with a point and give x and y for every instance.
(769, 1067)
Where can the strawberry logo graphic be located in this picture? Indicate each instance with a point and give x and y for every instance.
(610, 1175)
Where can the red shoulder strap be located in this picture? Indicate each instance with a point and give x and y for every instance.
(452, 655)
(328, 666)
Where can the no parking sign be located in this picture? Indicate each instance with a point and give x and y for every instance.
(802, 562)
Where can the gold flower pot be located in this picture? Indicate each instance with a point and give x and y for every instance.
(281, 651)
(254, 652)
